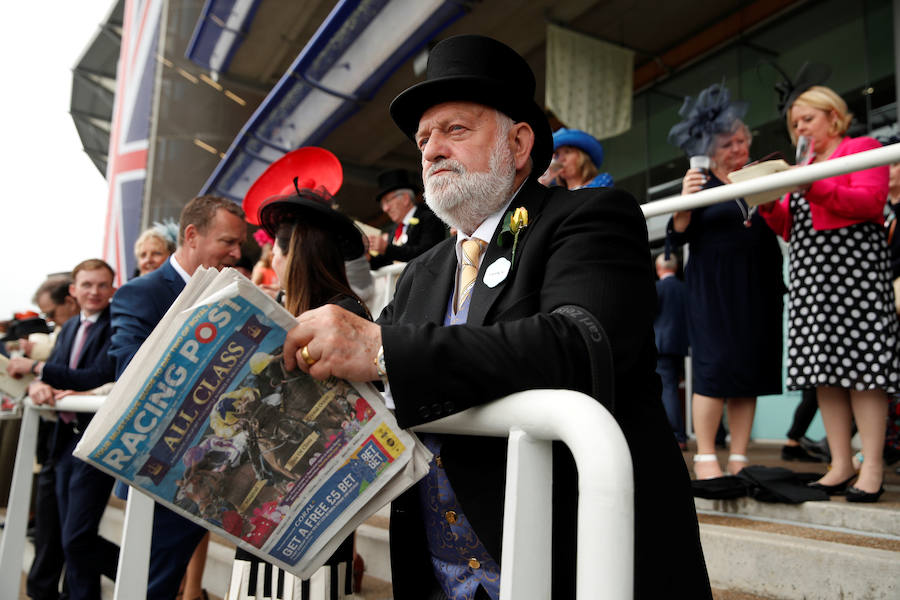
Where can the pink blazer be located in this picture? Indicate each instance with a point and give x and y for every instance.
(838, 201)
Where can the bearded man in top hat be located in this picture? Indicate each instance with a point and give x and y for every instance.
(416, 228)
(572, 307)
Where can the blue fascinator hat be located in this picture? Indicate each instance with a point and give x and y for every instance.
(581, 140)
(712, 113)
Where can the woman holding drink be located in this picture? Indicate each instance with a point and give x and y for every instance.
(843, 329)
(734, 282)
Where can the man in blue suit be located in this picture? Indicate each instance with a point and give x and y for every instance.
(670, 327)
(210, 235)
(80, 361)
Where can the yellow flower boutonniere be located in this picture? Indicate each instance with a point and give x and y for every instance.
(413, 221)
(513, 224)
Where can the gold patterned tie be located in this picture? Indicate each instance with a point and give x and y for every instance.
(471, 255)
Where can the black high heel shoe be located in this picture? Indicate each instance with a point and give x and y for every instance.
(832, 490)
(854, 494)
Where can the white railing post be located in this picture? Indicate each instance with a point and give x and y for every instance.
(12, 547)
(134, 556)
(605, 484)
(529, 481)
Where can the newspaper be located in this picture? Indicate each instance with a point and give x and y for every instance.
(206, 420)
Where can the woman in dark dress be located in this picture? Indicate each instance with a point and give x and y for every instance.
(312, 241)
(735, 284)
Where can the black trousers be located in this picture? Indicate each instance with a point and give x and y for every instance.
(43, 577)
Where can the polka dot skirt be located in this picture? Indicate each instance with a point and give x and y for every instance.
(843, 328)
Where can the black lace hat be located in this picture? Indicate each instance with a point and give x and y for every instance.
(810, 74)
(712, 113)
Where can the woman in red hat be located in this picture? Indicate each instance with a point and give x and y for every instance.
(312, 242)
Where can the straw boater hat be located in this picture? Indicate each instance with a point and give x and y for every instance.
(479, 69)
(300, 187)
(395, 179)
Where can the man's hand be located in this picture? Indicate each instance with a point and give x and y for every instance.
(41, 393)
(19, 366)
(340, 343)
(378, 243)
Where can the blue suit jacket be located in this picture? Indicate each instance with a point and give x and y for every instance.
(670, 324)
(136, 309)
(95, 365)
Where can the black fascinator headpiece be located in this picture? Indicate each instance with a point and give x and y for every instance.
(710, 114)
(810, 74)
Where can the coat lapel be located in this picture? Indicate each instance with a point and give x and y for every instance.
(437, 284)
(483, 297)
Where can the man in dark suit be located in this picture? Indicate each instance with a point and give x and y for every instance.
(210, 235)
(80, 361)
(562, 299)
(670, 328)
(416, 228)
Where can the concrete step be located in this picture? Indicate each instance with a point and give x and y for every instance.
(824, 550)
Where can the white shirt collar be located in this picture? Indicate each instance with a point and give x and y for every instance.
(179, 269)
(92, 318)
(409, 215)
(486, 230)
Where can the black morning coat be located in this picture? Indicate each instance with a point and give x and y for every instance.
(586, 249)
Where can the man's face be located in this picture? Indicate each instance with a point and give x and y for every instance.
(58, 313)
(468, 164)
(396, 204)
(93, 290)
(220, 245)
(461, 131)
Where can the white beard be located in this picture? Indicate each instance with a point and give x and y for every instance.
(464, 199)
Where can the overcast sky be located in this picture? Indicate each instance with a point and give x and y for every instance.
(54, 198)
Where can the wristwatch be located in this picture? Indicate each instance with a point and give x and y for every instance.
(380, 365)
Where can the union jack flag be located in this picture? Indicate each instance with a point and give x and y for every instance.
(129, 138)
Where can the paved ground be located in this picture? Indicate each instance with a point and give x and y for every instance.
(769, 454)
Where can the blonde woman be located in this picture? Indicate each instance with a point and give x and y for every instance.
(843, 330)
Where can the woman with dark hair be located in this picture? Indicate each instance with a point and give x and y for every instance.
(312, 242)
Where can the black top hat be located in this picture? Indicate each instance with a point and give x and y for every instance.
(395, 179)
(22, 328)
(478, 69)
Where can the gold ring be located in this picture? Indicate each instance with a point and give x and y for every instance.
(304, 352)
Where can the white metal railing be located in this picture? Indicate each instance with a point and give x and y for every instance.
(385, 279)
(605, 489)
(530, 419)
(790, 178)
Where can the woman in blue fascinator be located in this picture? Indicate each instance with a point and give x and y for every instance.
(734, 280)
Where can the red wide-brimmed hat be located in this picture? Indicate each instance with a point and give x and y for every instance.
(313, 167)
(300, 186)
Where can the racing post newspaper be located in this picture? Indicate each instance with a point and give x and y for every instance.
(206, 421)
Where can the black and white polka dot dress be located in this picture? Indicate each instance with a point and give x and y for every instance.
(843, 329)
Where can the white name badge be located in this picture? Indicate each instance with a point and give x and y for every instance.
(497, 272)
